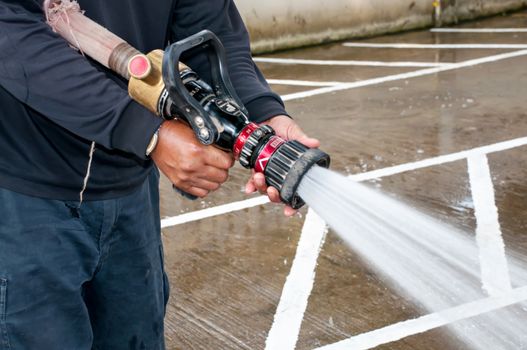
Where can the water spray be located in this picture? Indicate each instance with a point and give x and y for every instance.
(170, 89)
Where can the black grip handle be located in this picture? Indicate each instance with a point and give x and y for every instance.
(186, 105)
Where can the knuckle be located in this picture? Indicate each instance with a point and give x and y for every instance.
(195, 150)
(226, 161)
(184, 177)
(187, 166)
(176, 180)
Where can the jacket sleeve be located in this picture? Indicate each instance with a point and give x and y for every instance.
(40, 70)
(224, 20)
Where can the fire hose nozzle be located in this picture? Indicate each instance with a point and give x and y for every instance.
(287, 167)
(167, 87)
(217, 109)
(283, 163)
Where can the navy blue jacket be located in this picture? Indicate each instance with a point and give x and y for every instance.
(55, 102)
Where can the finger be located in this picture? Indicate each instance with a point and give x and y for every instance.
(218, 158)
(273, 194)
(213, 174)
(250, 187)
(259, 182)
(288, 211)
(209, 186)
(310, 142)
(196, 191)
(296, 133)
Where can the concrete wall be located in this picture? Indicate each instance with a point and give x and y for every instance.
(281, 24)
(454, 10)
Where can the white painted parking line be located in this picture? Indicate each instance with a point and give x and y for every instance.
(303, 82)
(375, 174)
(214, 211)
(297, 289)
(495, 276)
(403, 76)
(231, 207)
(426, 323)
(347, 62)
(295, 313)
(436, 46)
(448, 158)
(479, 30)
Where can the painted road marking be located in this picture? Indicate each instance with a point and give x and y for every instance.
(448, 158)
(426, 323)
(495, 274)
(347, 62)
(437, 46)
(297, 289)
(214, 211)
(403, 76)
(476, 152)
(231, 207)
(415, 326)
(294, 299)
(479, 30)
(374, 174)
(303, 82)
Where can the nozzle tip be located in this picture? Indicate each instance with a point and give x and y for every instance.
(287, 167)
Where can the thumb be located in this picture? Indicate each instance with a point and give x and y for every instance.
(309, 142)
(296, 133)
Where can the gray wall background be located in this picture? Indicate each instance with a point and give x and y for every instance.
(281, 24)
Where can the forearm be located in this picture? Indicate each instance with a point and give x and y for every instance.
(40, 70)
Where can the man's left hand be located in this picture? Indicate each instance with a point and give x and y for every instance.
(286, 128)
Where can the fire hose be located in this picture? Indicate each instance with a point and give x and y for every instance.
(170, 89)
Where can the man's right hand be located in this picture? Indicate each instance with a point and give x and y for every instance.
(189, 165)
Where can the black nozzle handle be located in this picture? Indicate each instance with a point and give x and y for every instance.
(187, 106)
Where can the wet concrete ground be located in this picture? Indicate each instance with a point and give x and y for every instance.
(227, 272)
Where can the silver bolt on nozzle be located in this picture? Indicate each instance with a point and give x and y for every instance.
(204, 134)
(199, 122)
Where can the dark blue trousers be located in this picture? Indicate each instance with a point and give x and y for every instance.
(82, 278)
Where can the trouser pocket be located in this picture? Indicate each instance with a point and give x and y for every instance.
(4, 339)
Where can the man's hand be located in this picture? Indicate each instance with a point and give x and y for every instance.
(189, 165)
(286, 128)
